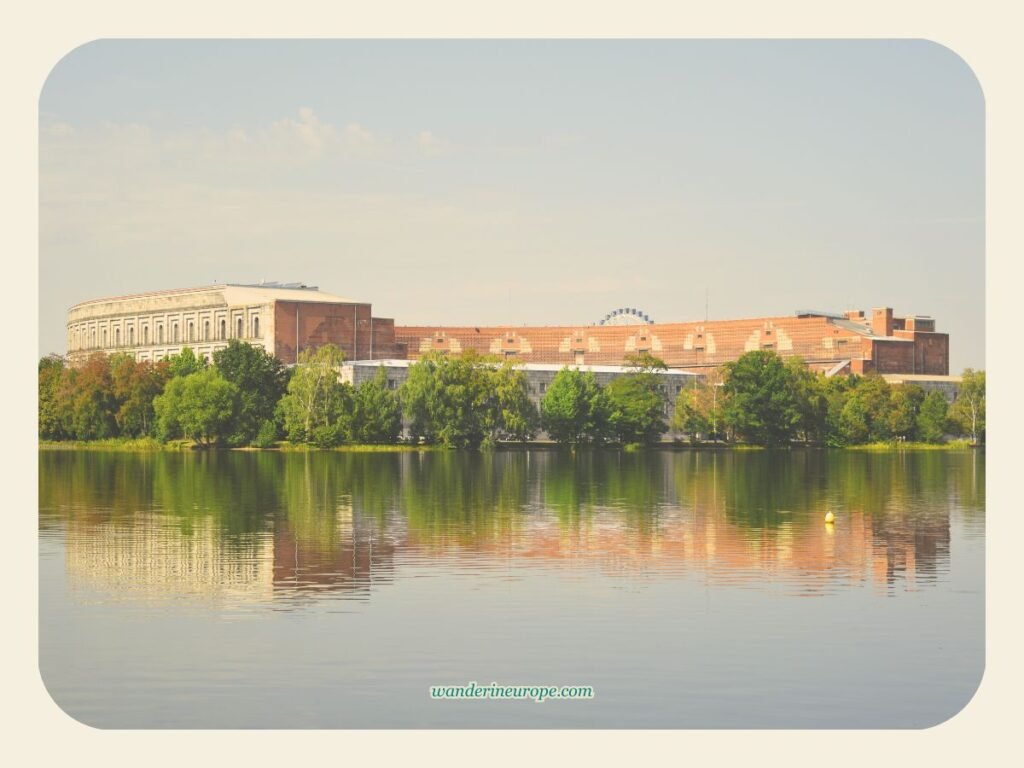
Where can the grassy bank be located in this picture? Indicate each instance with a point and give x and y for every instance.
(132, 445)
(148, 444)
(892, 447)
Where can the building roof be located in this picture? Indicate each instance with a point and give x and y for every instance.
(237, 294)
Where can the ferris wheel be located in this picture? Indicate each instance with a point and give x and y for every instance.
(626, 316)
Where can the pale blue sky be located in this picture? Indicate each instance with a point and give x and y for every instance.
(487, 182)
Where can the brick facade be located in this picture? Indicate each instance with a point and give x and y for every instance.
(822, 341)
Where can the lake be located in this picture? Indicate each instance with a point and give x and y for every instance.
(688, 589)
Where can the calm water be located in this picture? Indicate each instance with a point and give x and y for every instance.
(689, 589)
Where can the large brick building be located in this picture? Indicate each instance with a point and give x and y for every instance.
(854, 342)
(287, 318)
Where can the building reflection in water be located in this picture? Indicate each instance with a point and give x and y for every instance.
(342, 524)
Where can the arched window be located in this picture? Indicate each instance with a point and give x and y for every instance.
(223, 329)
(191, 331)
(159, 334)
(238, 332)
(145, 335)
(104, 338)
(206, 330)
(94, 338)
(255, 327)
(175, 332)
(117, 337)
(131, 336)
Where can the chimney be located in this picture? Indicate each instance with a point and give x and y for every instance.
(881, 321)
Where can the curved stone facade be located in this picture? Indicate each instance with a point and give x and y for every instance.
(282, 319)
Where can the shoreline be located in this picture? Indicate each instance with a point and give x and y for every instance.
(151, 445)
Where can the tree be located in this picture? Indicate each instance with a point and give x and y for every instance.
(377, 414)
(574, 409)
(698, 408)
(201, 406)
(185, 362)
(52, 417)
(866, 415)
(318, 408)
(931, 421)
(90, 397)
(968, 410)
(904, 407)
(262, 380)
(811, 401)
(644, 362)
(135, 385)
(446, 400)
(636, 408)
(510, 413)
(762, 405)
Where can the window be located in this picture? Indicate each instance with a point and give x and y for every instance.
(160, 334)
(175, 333)
(191, 331)
(256, 327)
(206, 330)
(238, 329)
(223, 329)
(117, 337)
(698, 349)
(543, 387)
(767, 346)
(392, 384)
(131, 337)
(145, 335)
(510, 353)
(104, 337)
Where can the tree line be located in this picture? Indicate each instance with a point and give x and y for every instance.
(246, 396)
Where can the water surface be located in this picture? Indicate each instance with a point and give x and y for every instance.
(690, 589)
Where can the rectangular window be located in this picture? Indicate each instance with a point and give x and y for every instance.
(543, 387)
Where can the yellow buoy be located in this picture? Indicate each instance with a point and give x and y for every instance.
(829, 517)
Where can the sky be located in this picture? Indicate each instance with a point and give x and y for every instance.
(487, 182)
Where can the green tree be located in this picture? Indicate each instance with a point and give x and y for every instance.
(510, 413)
(185, 362)
(636, 407)
(968, 410)
(201, 406)
(377, 414)
(866, 415)
(835, 391)
(762, 404)
(931, 420)
(262, 380)
(318, 408)
(52, 404)
(699, 408)
(446, 400)
(574, 409)
(811, 400)
(643, 362)
(904, 407)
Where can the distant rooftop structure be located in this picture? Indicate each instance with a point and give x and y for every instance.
(626, 316)
(816, 313)
(275, 284)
